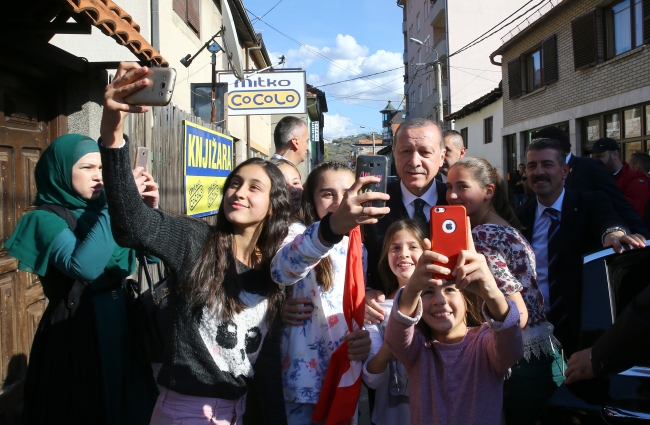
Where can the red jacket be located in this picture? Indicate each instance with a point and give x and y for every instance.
(634, 185)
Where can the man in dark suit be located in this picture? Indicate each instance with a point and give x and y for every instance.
(562, 225)
(624, 345)
(418, 152)
(589, 174)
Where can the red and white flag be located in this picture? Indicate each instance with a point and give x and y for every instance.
(342, 387)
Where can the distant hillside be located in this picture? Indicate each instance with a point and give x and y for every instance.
(339, 149)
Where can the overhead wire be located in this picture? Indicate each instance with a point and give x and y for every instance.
(304, 46)
(357, 78)
(269, 11)
(484, 37)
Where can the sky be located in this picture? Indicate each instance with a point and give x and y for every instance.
(338, 40)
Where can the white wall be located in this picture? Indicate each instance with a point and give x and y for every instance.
(471, 73)
(494, 152)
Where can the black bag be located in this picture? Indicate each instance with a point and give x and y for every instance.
(150, 319)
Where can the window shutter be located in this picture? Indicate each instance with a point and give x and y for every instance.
(646, 21)
(193, 16)
(514, 78)
(549, 60)
(180, 7)
(583, 30)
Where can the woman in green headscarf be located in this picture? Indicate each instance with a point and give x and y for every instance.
(80, 370)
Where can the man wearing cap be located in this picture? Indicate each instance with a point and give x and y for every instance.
(633, 184)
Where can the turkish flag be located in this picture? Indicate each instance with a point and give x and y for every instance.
(342, 387)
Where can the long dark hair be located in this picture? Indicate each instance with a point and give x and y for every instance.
(415, 228)
(213, 280)
(308, 216)
(484, 173)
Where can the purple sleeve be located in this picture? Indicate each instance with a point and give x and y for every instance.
(400, 334)
(505, 345)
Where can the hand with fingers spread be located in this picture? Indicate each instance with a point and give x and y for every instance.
(296, 310)
(617, 239)
(374, 313)
(351, 211)
(115, 109)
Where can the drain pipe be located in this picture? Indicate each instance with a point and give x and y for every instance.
(155, 28)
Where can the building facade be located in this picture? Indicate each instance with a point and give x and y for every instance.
(480, 122)
(425, 21)
(582, 66)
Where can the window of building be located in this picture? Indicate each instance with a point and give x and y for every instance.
(201, 101)
(419, 55)
(630, 126)
(487, 130)
(463, 134)
(418, 21)
(534, 70)
(420, 90)
(623, 27)
(188, 10)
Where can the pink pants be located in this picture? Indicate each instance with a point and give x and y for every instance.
(173, 408)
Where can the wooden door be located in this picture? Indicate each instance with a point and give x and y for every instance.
(29, 121)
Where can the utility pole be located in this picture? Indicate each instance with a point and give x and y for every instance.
(438, 65)
(439, 115)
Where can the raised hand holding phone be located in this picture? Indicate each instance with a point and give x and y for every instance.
(126, 82)
(472, 273)
(449, 233)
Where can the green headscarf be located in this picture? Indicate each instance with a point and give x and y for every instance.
(31, 241)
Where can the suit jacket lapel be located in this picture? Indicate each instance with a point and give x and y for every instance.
(569, 214)
(568, 183)
(442, 193)
(528, 219)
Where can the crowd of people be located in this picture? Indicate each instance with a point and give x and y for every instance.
(257, 299)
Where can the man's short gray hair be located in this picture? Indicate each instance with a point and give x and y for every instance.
(285, 130)
(544, 143)
(415, 123)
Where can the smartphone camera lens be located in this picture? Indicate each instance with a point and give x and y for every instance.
(448, 226)
(372, 164)
(161, 94)
(163, 85)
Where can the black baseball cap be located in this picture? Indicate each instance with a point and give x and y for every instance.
(604, 144)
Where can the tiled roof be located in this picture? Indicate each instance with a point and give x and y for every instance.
(476, 105)
(117, 24)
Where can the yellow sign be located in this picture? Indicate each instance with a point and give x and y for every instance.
(208, 161)
(270, 99)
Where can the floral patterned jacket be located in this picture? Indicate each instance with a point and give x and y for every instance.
(512, 262)
(306, 349)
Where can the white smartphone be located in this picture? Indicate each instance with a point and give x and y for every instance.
(158, 92)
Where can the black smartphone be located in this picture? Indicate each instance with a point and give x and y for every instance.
(377, 166)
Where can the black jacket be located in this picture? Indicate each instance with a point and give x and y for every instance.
(585, 217)
(373, 234)
(590, 175)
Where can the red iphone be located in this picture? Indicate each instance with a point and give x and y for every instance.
(448, 234)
